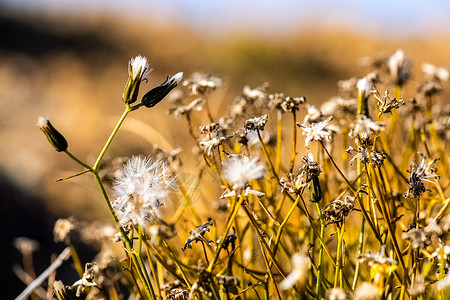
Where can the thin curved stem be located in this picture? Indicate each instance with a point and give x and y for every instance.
(111, 137)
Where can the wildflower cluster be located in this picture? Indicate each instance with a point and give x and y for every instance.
(248, 176)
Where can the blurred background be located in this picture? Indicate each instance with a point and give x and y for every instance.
(67, 61)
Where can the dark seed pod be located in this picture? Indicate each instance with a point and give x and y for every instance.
(315, 191)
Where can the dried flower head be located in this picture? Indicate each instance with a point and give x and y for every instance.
(230, 241)
(347, 87)
(256, 94)
(209, 145)
(377, 258)
(335, 211)
(337, 294)
(62, 229)
(88, 279)
(313, 115)
(178, 294)
(434, 73)
(196, 105)
(429, 88)
(316, 131)
(361, 153)
(25, 245)
(141, 189)
(210, 128)
(285, 104)
(366, 291)
(364, 129)
(257, 123)
(310, 167)
(239, 170)
(400, 67)
(292, 104)
(340, 108)
(420, 173)
(201, 84)
(227, 281)
(138, 69)
(197, 235)
(299, 273)
(417, 287)
(293, 184)
(418, 238)
(386, 104)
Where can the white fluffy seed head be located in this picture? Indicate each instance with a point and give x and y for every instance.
(139, 68)
(141, 189)
(239, 171)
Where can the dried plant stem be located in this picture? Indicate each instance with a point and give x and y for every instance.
(358, 198)
(359, 167)
(279, 140)
(269, 271)
(387, 218)
(154, 272)
(294, 142)
(76, 261)
(230, 221)
(320, 264)
(266, 155)
(283, 224)
(65, 254)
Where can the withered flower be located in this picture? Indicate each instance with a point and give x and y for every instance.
(197, 235)
(257, 123)
(335, 211)
(385, 103)
(420, 173)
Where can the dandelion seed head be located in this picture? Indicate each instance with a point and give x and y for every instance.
(141, 189)
(239, 170)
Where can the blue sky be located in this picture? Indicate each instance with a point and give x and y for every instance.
(395, 18)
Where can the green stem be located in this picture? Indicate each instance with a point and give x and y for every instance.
(111, 137)
(125, 237)
(141, 261)
(78, 161)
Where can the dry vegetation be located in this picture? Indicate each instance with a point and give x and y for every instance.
(234, 201)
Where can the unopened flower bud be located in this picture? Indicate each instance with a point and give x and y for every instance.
(315, 191)
(54, 137)
(138, 69)
(154, 96)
